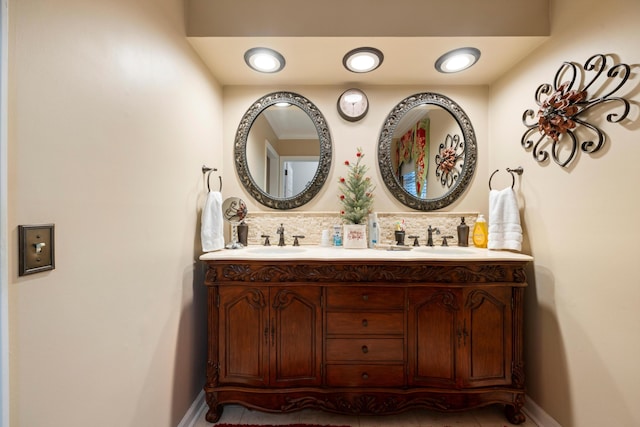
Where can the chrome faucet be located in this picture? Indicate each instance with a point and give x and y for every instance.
(430, 232)
(281, 233)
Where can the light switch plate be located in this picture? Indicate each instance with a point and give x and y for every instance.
(36, 248)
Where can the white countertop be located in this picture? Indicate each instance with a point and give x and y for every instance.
(318, 253)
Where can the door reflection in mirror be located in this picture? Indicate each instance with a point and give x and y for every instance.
(283, 151)
(298, 173)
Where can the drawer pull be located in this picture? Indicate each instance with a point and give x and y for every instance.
(365, 323)
(365, 349)
(365, 297)
(365, 376)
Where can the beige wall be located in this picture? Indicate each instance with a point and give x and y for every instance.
(582, 318)
(111, 116)
(347, 136)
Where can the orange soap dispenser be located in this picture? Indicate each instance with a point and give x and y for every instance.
(480, 232)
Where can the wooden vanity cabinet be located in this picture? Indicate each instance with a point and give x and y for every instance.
(460, 337)
(365, 337)
(269, 336)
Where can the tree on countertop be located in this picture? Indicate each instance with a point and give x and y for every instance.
(356, 192)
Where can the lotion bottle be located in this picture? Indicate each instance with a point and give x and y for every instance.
(480, 232)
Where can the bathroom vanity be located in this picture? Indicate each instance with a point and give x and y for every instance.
(363, 331)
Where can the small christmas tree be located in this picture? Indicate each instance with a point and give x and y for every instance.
(356, 192)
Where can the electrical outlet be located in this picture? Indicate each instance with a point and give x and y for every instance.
(36, 248)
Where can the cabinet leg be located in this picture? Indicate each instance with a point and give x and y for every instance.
(215, 409)
(514, 414)
(214, 414)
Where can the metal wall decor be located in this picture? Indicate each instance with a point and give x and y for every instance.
(563, 105)
(449, 160)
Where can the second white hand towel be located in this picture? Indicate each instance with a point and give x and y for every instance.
(505, 231)
(212, 229)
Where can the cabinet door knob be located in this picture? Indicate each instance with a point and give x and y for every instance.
(365, 349)
(365, 297)
(365, 376)
(365, 323)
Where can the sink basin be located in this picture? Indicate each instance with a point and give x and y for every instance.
(444, 250)
(267, 250)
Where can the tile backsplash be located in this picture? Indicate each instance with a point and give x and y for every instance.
(311, 224)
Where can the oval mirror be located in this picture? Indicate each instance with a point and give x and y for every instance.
(283, 150)
(427, 151)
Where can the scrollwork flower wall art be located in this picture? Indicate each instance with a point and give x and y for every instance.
(561, 120)
(449, 159)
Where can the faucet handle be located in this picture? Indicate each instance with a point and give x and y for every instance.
(295, 240)
(415, 240)
(444, 240)
(266, 239)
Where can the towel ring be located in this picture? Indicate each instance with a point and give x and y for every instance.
(208, 171)
(517, 170)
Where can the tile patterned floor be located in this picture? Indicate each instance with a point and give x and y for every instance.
(492, 416)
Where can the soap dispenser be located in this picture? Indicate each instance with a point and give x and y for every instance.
(463, 233)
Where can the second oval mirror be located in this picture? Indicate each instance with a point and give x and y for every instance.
(283, 150)
(427, 151)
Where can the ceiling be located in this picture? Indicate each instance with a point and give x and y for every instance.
(318, 61)
(290, 123)
(412, 34)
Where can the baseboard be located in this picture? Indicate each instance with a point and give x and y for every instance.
(538, 415)
(194, 411)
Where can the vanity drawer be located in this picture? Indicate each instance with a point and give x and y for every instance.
(366, 349)
(365, 323)
(365, 375)
(362, 297)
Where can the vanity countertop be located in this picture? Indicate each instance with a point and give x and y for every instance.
(318, 253)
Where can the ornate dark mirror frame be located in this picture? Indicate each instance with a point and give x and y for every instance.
(240, 151)
(468, 165)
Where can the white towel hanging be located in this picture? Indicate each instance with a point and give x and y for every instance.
(505, 231)
(212, 230)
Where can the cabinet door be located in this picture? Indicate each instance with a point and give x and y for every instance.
(243, 335)
(432, 336)
(296, 336)
(487, 326)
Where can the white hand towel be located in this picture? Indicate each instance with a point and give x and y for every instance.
(505, 231)
(212, 231)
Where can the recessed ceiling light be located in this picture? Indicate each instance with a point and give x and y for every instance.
(362, 59)
(457, 60)
(264, 60)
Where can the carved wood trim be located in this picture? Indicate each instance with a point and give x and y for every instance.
(517, 373)
(366, 403)
(355, 272)
(445, 299)
(211, 275)
(212, 360)
(285, 297)
(478, 296)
